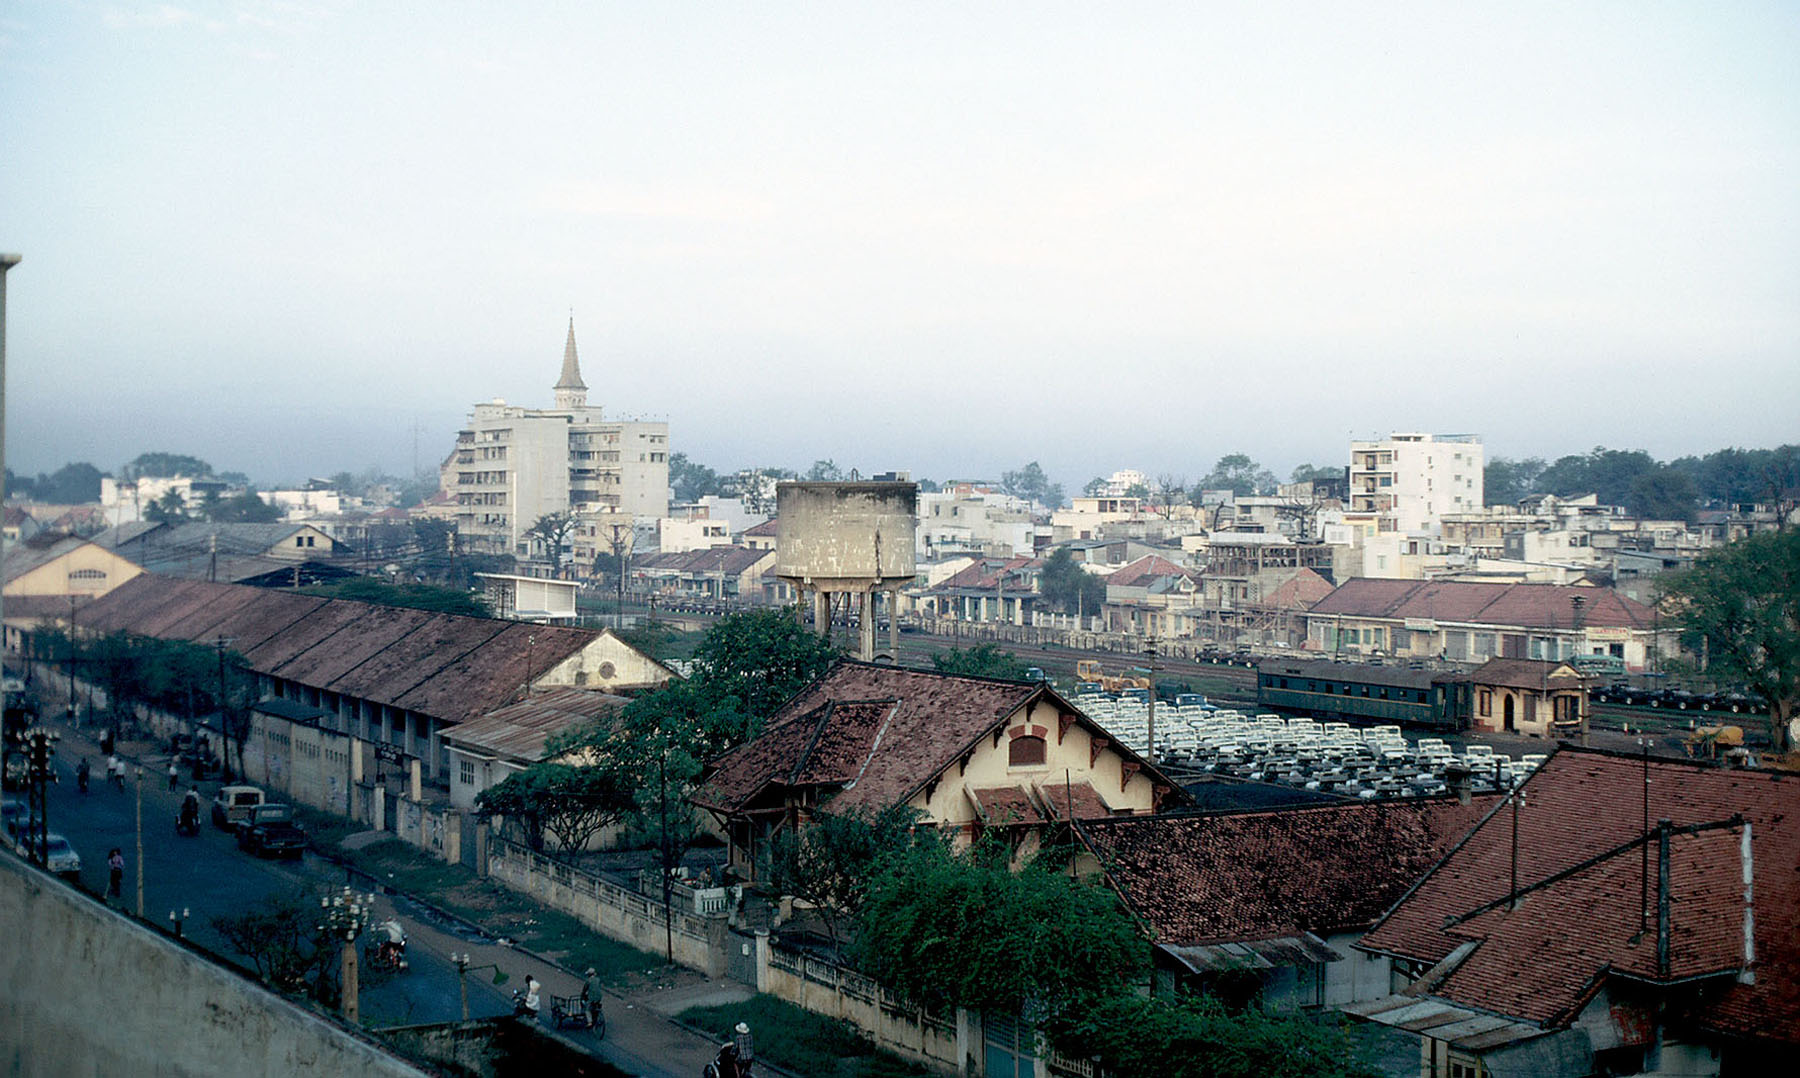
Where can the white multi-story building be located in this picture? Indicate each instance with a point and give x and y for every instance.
(514, 465)
(1409, 482)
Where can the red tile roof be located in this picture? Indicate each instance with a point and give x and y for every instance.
(444, 665)
(985, 574)
(869, 737)
(1545, 959)
(1535, 606)
(1148, 568)
(1220, 877)
(1300, 591)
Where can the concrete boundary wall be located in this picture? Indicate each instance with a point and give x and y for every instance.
(87, 991)
(612, 910)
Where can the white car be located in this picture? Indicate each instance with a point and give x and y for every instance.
(60, 857)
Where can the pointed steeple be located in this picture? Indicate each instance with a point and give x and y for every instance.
(571, 391)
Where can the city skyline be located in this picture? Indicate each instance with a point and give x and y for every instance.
(282, 237)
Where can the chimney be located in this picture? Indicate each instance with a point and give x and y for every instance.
(1460, 780)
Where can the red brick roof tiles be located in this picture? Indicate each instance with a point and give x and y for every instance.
(1221, 877)
(1578, 806)
(1148, 568)
(447, 666)
(1536, 606)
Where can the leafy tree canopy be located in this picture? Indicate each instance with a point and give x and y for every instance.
(981, 660)
(1507, 482)
(1739, 609)
(831, 860)
(572, 802)
(413, 596)
(75, 483)
(165, 466)
(945, 928)
(245, 508)
(1033, 485)
(1196, 1037)
(1239, 474)
(759, 659)
(824, 471)
(1307, 473)
(690, 481)
(552, 530)
(1070, 588)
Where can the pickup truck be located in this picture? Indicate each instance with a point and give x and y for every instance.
(270, 830)
(232, 804)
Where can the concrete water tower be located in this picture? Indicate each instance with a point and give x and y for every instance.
(851, 539)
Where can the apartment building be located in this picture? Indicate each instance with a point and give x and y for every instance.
(1409, 482)
(513, 465)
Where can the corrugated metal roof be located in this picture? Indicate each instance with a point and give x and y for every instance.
(518, 731)
(1301, 950)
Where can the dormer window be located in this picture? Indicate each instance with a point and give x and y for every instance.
(1025, 751)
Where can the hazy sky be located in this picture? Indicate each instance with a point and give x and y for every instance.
(948, 238)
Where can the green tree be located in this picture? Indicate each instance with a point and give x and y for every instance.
(72, 484)
(168, 509)
(552, 530)
(1095, 487)
(244, 508)
(980, 660)
(284, 943)
(943, 928)
(572, 802)
(1068, 587)
(367, 589)
(759, 659)
(1031, 484)
(1507, 482)
(1239, 474)
(690, 481)
(1663, 494)
(830, 860)
(824, 471)
(1309, 473)
(165, 466)
(1197, 1037)
(1738, 611)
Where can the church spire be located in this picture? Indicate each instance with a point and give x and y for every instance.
(571, 392)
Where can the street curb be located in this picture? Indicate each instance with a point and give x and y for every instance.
(762, 1066)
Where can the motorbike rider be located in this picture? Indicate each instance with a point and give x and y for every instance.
(531, 1002)
(190, 810)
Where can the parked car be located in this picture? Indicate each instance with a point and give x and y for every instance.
(59, 857)
(232, 804)
(270, 830)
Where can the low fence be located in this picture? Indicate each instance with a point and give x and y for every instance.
(953, 1043)
(823, 987)
(697, 941)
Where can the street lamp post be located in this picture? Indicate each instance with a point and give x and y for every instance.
(461, 962)
(7, 262)
(140, 843)
(346, 915)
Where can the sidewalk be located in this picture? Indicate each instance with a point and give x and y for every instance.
(641, 1036)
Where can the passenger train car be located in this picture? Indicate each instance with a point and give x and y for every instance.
(1358, 692)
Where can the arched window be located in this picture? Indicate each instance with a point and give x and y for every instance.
(1025, 752)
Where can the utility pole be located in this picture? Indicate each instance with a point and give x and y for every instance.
(7, 262)
(621, 547)
(140, 843)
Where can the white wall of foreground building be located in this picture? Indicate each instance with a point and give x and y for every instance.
(95, 993)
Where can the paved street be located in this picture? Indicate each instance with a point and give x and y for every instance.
(209, 877)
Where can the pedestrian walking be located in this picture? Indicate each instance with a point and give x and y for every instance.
(174, 772)
(590, 996)
(115, 873)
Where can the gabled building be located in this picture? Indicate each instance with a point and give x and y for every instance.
(720, 573)
(261, 555)
(54, 577)
(965, 754)
(997, 589)
(394, 676)
(488, 748)
(1269, 905)
(1469, 621)
(1623, 916)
